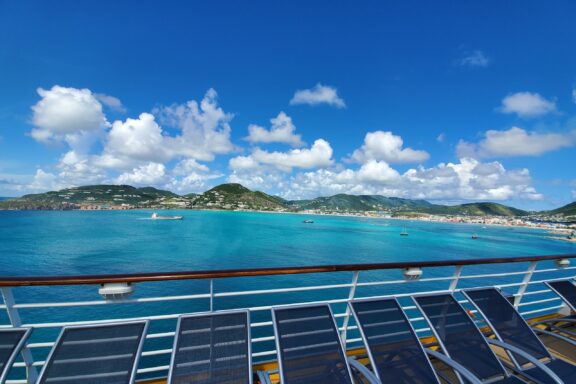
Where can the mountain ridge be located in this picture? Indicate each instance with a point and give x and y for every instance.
(234, 196)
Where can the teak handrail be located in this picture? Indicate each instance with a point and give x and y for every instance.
(20, 281)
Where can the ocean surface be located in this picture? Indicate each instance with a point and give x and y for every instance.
(102, 242)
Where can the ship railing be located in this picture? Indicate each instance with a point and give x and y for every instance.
(259, 290)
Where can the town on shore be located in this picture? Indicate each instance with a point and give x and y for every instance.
(235, 197)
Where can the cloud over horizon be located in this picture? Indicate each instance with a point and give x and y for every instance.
(527, 105)
(319, 94)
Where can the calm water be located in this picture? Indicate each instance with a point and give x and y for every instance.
(54, 243)
(63, 243)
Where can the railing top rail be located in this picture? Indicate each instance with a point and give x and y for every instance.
(10, 281)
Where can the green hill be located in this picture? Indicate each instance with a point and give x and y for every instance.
(567, 210)
(475, 209)
(234, 196)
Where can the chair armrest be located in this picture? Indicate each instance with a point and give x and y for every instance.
(455, 366)
(370, 376)
(559, 337)
(264, 377)
(528, 357)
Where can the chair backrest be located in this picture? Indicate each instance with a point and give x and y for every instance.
(11, 342)
(566, 290)
(395, 352)
(309, 346)
(100, 353)
(212, 347)
(458, 336)
(506, 322)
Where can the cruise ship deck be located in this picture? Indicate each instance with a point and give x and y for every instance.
(47, 304)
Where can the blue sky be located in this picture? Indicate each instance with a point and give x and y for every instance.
(447, 101)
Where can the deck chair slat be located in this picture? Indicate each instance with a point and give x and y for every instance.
(12, 341)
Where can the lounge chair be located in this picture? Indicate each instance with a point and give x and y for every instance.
(462, 341)
(94, 354)
(566, 289)
(11, 342)
(309, 347)
(510, 327)
(395, 352)
(212, 348)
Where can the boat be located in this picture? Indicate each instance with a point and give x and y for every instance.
(404, 232)
(308, 221)
(474, 236)
(161, 299)
(156, 216)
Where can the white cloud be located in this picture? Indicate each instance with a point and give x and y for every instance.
(205, 128)
(385, 146)
(68, 114)
(319, 155)
(133, 142)
(527, 104)
(467, 180)
(319, 94)
(475, 59)
(516, 142)
(45, 181)
(282, 131)
(441, 137)
(111, 102)
(144, 175)
(188, 166)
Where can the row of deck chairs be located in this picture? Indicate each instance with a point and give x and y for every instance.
(215, 347)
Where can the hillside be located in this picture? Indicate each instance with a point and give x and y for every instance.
(235, 196)
(567, 210)
(92, 195)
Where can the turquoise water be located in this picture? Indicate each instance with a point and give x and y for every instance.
(101, 242)
(74, 242)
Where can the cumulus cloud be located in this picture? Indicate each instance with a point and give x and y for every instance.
(67, 114)
(281, 131)
(516, 142)
(148, 174)
(475, 59)
(205, 128)
(467, 180)
(319, 94)
(527, 104)
(319, 155)
(111, 102)
(385, 146)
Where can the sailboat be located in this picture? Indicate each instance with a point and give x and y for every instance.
(404, 232)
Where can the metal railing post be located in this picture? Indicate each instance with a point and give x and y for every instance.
(522, 288)
(355, 275)
(455, 278)
(211, 295)
(14, 316)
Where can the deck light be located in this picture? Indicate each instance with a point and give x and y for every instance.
(562, 263)
(115, 291)
(412, 273)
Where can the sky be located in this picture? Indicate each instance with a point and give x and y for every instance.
(448, 101)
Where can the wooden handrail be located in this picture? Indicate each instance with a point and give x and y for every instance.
(20, 281)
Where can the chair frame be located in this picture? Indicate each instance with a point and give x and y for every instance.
(94, 325)
(510, 349)
(303, 306)
(441, 343)
(213, 313)
(17, 349)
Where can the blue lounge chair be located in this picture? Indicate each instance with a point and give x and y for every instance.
(95, 354)
(510, 327)
(12, 341)
(212, 348)
(395, 352)
(566, 289)
(309, 347)
(461, 340)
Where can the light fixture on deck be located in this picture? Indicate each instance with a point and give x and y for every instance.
(413, 273)
(562, 263)
(115, 291)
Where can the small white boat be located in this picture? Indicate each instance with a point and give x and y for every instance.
(404, 232)
(474, 236)
(156, 216)
(308, 221)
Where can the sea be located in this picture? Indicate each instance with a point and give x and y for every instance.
(49, 243)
